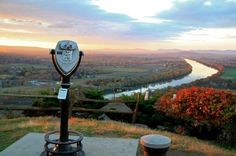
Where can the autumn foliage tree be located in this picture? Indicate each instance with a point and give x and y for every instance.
(198, 105)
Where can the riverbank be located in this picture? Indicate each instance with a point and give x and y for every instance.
(199, 71)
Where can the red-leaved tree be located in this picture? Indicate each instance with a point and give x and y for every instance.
(198, 105)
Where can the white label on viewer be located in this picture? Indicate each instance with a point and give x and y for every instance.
(62, 94)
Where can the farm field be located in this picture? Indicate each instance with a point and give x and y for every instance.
(28, 75)
(103, 71)
(229, 73)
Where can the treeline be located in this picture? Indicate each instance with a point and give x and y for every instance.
(12, 59)
(148, 78)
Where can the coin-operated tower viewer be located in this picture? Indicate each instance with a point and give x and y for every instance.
(66, 59)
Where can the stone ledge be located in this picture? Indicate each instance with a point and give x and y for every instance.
(32, 144)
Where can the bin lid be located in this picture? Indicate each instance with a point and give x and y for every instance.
(155, 141)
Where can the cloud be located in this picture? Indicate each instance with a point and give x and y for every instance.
(20, 42)
(201, 13)
(20, 21)
(231, 1)
(140, 11)
(122, 21)
(15, 30)
(209, 34)
(61, 25)
(208, 3)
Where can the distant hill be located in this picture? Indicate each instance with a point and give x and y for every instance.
(44, 53)
(25, 51)
(225, 52)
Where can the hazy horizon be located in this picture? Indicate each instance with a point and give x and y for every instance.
(44, 52)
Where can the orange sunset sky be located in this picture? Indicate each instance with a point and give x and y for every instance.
(120, 24)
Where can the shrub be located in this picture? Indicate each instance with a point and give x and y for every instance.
(206, 112)
(198, 105)
(228, 135)
(93, 93)
(146, 109)
(46, 102)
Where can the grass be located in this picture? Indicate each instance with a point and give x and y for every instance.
(28, 66)
(27, 90)
(229, 73)
(13, 129)
(124, 69)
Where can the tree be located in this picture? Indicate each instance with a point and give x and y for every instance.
(198, 105)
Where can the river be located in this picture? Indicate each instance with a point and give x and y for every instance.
(199, 71)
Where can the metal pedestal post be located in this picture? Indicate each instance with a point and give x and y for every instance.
(64, 112)
(63, 146)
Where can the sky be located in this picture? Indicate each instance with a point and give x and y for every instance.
(120, 24)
